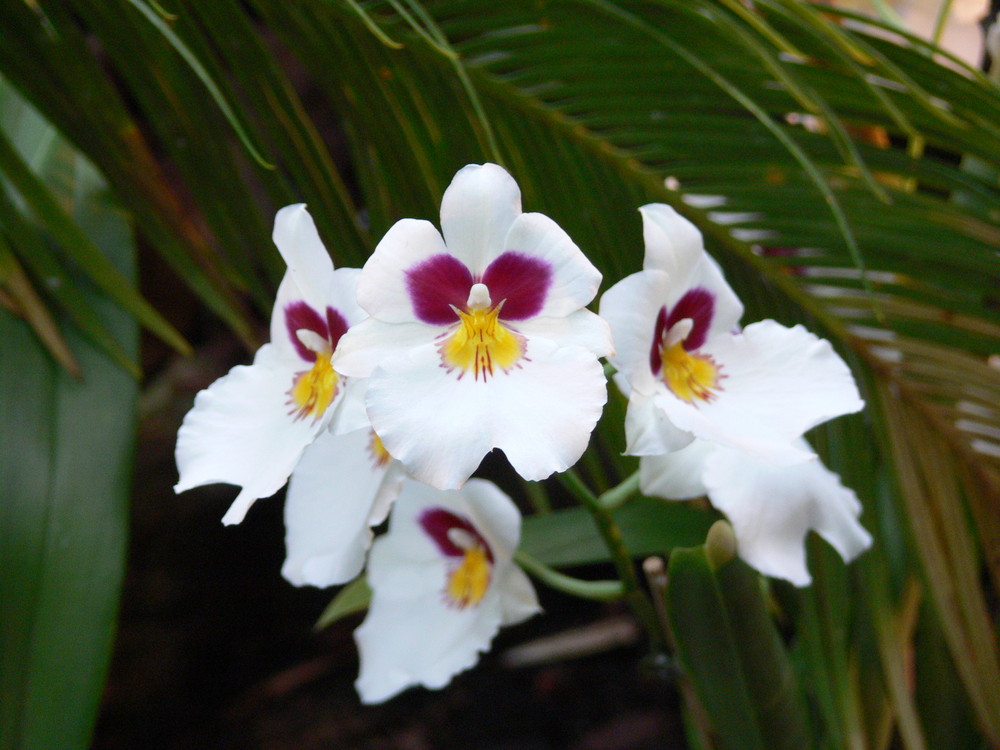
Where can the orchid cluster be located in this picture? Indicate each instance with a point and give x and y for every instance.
(382, 389)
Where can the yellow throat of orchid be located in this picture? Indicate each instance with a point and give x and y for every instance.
(481, 342)
(468, 582)
(313, 390)
(690, 376)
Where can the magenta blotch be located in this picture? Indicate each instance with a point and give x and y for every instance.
(299, 316)
(442, 281)
(698, 305)
(437, 283)
(521, 280)
(437, 522)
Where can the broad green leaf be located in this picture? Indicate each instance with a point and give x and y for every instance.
(65, 471)
(729, 647)
(649, 527)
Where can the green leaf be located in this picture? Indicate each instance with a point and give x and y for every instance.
(352, 598)
(730, 649)
(649, 527)
(66, 451)
(75, 242)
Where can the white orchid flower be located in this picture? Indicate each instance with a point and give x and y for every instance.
(479, 340)
(689, 372)
(250, 427)
(443, 582)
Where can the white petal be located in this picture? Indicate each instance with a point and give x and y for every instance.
(419, 641)
(342, 294)
(772, 508)
(411, 636)
(727, 308)
(779, 383)
(298, 242)
(582, 328)
(240, 432)
(648, 431)
(348, 412)
(477, 211)
(678, 475)
(673, 244)
(574, 278)
(366, 345)
(631, 307)
(440, 427)
(336, 493)
(519, 600)
(382, 290)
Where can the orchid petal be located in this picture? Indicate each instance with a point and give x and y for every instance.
(369, 343)
(574, 279)
(222, 439)
(581, 328)
(477, 211)
(778, 383)
(440, 426)
(648, 430)
(309, 264)
(337, 492)
(673, 244)
(772, 508)
(383, 291)
(631, 307)
(677, 475)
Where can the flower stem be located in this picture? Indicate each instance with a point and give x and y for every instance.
(620, 494)
(612, 536)
(598, 590)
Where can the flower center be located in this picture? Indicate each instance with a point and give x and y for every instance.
(468, 582)
(379, 455)
(468, 555)
(313, 390)
(689, 375)
(480, 342)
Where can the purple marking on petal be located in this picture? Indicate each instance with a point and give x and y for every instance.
(336, 325)
(698, 304)
(299, 315)
(520, 279)
(435, 284)
(655, 355)
(437, 522)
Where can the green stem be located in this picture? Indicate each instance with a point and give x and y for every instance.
(620, 494)
(612, 535)
(602, 591)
